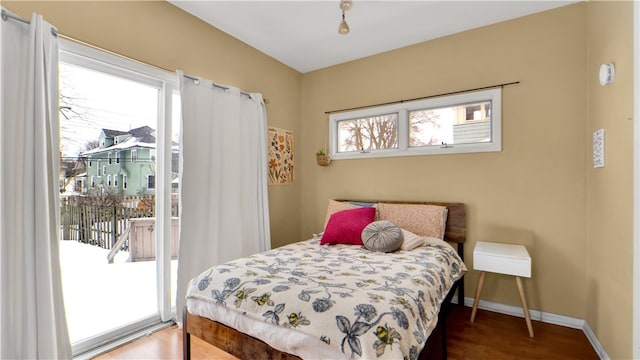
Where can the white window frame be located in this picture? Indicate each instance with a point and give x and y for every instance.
(152, 155)
(134, 155)
(115, 180)
(117, 157)
(109, 158)
(167, 82)
(403, 109)
(124, 182)
(108, 180)
(99, 171)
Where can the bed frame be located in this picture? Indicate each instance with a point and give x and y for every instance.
(244, 346)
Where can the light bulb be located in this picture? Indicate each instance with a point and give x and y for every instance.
(343, 29)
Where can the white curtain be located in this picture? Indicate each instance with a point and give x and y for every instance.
(32, 318)
(224, 205)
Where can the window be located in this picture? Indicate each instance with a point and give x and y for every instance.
(134, 155)
(108, 82)
(117, 157)
(461, 123)
(152, 155)
(370, 133)
(151, 182)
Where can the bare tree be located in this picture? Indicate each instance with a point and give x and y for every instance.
(102, 197)
(71, 102)
(424, 124)
(73, 109)
(374, 133)
(381, 132)
(90, 145)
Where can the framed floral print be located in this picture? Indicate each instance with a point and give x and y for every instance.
(280, 156)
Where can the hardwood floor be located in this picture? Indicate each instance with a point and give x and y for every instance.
(166, 344)
(498, 336)
(491, 336)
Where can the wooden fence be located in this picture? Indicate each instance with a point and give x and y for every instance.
(140, 239)
(99, 220)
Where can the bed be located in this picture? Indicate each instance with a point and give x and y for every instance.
(307, 300)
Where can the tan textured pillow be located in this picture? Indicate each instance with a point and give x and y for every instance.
(423, 220)
(411, 240)
(335, 206)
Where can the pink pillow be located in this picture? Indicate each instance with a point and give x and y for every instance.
(335, 206)
(345, 227)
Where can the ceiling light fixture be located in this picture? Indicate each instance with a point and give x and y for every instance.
(345, 5)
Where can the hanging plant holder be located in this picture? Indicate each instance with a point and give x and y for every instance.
(323, 160)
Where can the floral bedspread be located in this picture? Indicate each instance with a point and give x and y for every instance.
(369, 305)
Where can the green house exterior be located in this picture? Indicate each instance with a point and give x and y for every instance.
(124, 163)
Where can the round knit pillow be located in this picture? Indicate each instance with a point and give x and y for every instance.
(383, 236)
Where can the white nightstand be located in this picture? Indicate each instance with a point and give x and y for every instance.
(502, 259)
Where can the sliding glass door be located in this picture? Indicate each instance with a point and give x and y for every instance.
(119, 123)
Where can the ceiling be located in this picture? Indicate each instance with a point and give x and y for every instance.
(304, 34)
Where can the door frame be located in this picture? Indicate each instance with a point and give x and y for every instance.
(92, 57)
(636, 180)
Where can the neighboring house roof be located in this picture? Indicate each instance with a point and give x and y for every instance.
(112, 133)
(141, 131)
(141, 137)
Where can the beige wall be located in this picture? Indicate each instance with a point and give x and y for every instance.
(609, 189)
(539, 191)
(160, 34)
(533, 192)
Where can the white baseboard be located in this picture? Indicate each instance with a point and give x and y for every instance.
(545, 317)
(594, 342)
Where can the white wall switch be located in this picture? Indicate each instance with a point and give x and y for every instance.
(598, 148)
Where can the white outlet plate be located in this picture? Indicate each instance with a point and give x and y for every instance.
(598, 148)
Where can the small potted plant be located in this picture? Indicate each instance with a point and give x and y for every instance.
(323, 158)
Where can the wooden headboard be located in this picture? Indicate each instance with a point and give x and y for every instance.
(456, 228)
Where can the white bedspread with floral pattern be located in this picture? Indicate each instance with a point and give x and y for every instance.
(365, 304)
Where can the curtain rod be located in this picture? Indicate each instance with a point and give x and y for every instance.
(424, 97)
(6, 15)
(197, 81)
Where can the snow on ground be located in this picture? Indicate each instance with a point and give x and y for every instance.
(100, 296)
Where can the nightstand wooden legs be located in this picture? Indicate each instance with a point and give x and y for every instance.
(525, 308)
(478, 291)
(523, 300)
